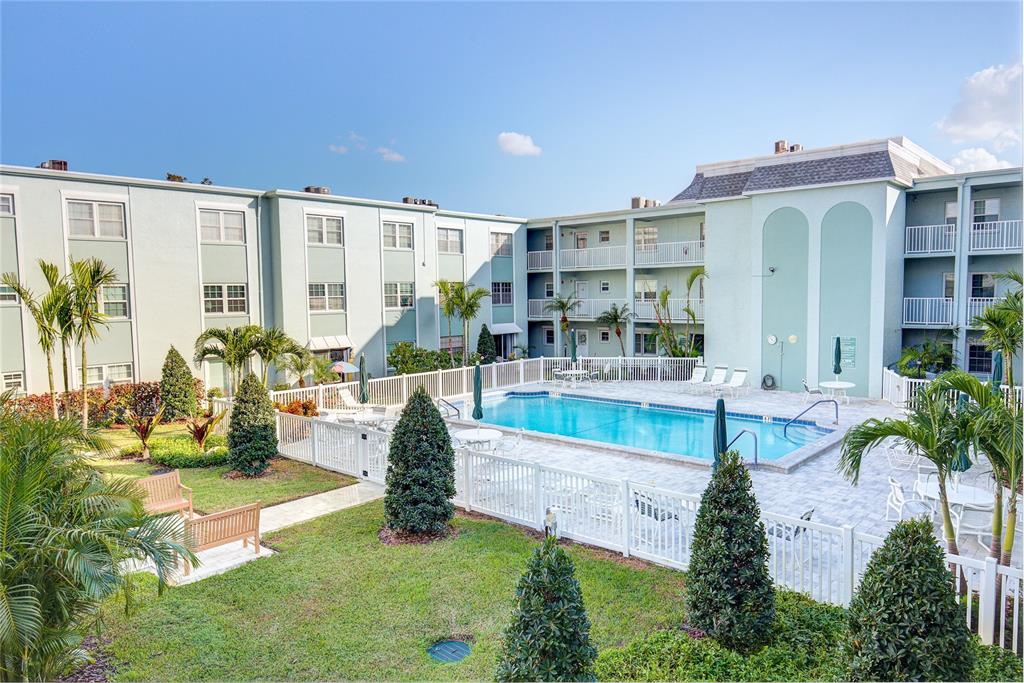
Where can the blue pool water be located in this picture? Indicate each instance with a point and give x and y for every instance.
(682, 431)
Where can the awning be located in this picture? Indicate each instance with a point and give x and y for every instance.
(340, 341)
(505, 328)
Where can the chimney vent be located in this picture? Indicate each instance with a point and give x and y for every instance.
(55, 165)
(640, 202)
(317, 189)
(796, 148)
(419, 202)
(781, 147)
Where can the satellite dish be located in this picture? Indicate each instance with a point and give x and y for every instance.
(772, 339)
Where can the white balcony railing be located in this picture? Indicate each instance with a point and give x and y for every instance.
(644, 310)
(598, 257)
(670, 253)
(535, 309)
(539, 260)
(976, 305)
(931, 239)
(936, 311)
(996, 236)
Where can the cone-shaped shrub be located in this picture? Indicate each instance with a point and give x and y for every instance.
(251, 438)
(905, 622)
(485, 346)
(729, 593)
(549, 637)
(420, 482)
(177, 388)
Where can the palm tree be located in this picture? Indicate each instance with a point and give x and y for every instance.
(446, 294)
(931, 355)
(322, 372)
(43, 314)
(563, 306)
(930, 429)
(467, 306)
(70, 537)
(88, 278)
(615, 317)
(272, 345)
(60, 292)
(299, 363)
(1002, 325)
(663, 315)
(697, 274)
(233, 346)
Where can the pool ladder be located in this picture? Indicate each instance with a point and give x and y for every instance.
(803, 412)
(447, 409)
(737, 437)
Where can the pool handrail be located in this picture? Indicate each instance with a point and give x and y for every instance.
(741, 433)
(834, 402)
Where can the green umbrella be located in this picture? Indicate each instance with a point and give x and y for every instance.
(837, 360)
(478, 390)
(997, 372)
(721, 438)
(572, 347)
(364, 380)
(962, 462)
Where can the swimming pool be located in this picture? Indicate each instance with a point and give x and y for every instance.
(654, 427)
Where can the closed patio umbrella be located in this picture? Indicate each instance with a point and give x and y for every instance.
(837, 360)
(364, 380)
(721, 438)
(478, 390)
(997, 372)
(572, 347)
(962, 462)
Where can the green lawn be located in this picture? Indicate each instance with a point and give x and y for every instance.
(338, 604)
(121, 439)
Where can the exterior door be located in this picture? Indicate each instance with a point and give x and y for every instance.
(581, 240)
(582, 289)
(582, 339)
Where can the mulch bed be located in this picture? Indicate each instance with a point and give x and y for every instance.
(97, 671)
(391, 537)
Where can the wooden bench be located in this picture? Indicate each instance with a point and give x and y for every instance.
(165, 493)
(220, 528)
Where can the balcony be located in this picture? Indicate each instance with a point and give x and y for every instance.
(928, 311)
(586, 309)
(996, 236)
(644, 310)
(976, 305)
(539, 260)
(670, 254)
(590, 259)
(930, 239)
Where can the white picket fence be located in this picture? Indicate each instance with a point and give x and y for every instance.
(823, 561)
(901, 391)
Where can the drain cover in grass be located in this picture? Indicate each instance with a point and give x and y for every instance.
(449, 651)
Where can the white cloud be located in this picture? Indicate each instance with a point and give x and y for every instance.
(357, 140)
(977, 159)
(989, 108)
(518, 144)
(338, 149)
(388, 154)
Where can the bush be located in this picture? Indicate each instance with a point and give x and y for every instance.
(305, 408)
(905, 620)
(177, 388)
(183, 453)
(420, 481)
(993, 663)
(141, 398)
(549, 637)
(485, 346)
(729, 591)
(251, 436)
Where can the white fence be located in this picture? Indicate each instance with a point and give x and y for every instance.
(996, 236)
(901, 391)
(930, 239)
(539, 260)
(655, 524)
(976, 306)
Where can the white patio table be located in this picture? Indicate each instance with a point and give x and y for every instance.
(575, 375)
(965, 496)
(837, 389)
(478, 436)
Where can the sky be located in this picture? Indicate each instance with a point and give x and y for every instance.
(520, 109)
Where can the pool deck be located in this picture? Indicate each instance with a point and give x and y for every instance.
(816, 483)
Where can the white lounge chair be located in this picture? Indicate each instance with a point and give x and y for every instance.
(810, 392)
(353, 405)
(717, 378)
(899, 458)
(696, 381)
(507, 445)
(737, 383)
(898, 502)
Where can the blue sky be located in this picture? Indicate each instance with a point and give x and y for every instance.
(394, 99)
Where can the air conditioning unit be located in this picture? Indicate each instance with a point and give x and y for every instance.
(317, 189)
(55, 165)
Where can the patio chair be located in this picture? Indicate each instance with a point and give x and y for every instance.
(898, 502)
(973, 522)
(601, 375)
(700, 373)
(717, 378)
(556, 376)
(900, 458)
(351, 405)
(786, 533)
(507, 445)
(810, 392)
(737, 383)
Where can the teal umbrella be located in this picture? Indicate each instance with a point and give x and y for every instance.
(837, 360)
(478, 391)
(720, 435)
(364, 380)
(997, 372)
(962, 463)
(572, 347)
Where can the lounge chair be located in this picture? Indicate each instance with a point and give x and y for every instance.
(350, 403)
(696, 380)
(717, 378)
(898, 502)
(507, 445)
(810, 392)
(737, 383)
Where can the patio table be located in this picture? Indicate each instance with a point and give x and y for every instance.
(575, 375)
(478, 436)
(837, 389)
(965, 496)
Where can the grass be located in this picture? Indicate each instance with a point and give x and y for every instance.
(335, 603)
(121, 439)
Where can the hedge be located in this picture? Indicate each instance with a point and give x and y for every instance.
(183, 453)
(142, 398)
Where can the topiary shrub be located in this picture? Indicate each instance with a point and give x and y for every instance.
(420, 481)
(485, 346)
(251, 437)
(729, 593)
(177, 388)
(905, 621)
(549, 637)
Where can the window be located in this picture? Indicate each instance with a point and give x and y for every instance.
(95, 219)
(702, 231)
(222, 226)
(455, 342)
(325, 230)
(646, 237)
(986, 210)
(645, 343)
(501, 293)
(948, 285)
(399, 295)
(7, 204)
(646, 290)
(549, 335)
(116, 373)
(979, 359)
(549, 241)
(449, 241)
(15, 381)
(327, 296)
(605, 286)
(224, 299)
(7, 295)
(501, 244)
(604, 236)
(582, 240)
(983, 285)
(549, 290)
(397, 235)
(951, 213)
(605, 335)
(114, 300)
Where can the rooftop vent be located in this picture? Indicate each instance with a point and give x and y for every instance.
(643, 203)
(781, 147)
(796, 148)
(55, 165)
(419, 202)
(317, 189)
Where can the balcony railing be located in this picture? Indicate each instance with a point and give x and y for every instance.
(598, 257)
(535, 309)
(670, 253)
(937, 311)
(585, 309)
(644, 309)
(996, 236)
(539, 260)
(931, 239)
(976, 305)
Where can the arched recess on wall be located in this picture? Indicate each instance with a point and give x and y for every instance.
(784, 254)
